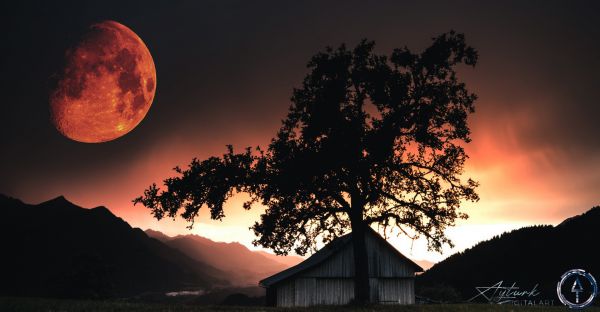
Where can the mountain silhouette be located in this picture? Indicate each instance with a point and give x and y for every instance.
(426, 265)
(288, 261)
(527, 256)
(243, 266)
(58, 249)
(158, 235)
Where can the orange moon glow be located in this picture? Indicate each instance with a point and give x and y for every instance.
(107, 85)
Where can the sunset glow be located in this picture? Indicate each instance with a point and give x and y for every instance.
(534, 148)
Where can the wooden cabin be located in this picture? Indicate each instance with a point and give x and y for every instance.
(326, 278)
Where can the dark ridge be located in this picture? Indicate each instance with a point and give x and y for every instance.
(157, 235)
(58, 249)
(101, 210)
(527, 256)
(593, 213)
(245, 267)
(6, 198)
(59, 200)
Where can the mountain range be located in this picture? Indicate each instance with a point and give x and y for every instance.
(58, 249)
(242, 266)
(530, 256)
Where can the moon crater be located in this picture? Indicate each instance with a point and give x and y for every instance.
(107, 85)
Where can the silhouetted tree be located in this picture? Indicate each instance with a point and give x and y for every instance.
(368, 140)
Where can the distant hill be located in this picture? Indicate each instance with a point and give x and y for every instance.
(527, 256)
(285, 260)
(243, 266)
(58, 249)
(426, 265)
(158, 235)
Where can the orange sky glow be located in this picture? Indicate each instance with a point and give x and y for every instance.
(534, 148)
(519, 187)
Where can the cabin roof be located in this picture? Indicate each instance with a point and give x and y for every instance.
(325, 253)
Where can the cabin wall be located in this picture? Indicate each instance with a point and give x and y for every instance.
(286, 293)
(303, 292)
(306, 293)
(333, 291)
(391, 279)
(383, 262)
(396, 291)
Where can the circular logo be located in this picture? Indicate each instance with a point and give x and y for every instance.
(577, 289)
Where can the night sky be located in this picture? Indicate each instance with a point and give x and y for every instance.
(226, 70)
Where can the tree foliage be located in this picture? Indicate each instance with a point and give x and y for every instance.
(368, 139)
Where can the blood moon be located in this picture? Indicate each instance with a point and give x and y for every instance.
(106, 87)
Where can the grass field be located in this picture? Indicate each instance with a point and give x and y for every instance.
(54, 305)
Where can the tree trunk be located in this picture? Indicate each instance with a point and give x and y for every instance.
(361, 265)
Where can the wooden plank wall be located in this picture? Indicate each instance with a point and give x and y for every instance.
(382, 263)
(331, 283)
(304, 292)
(333, 291)
(396, 291)
(286, 293)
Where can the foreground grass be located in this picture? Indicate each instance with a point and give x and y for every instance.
(55, 305)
